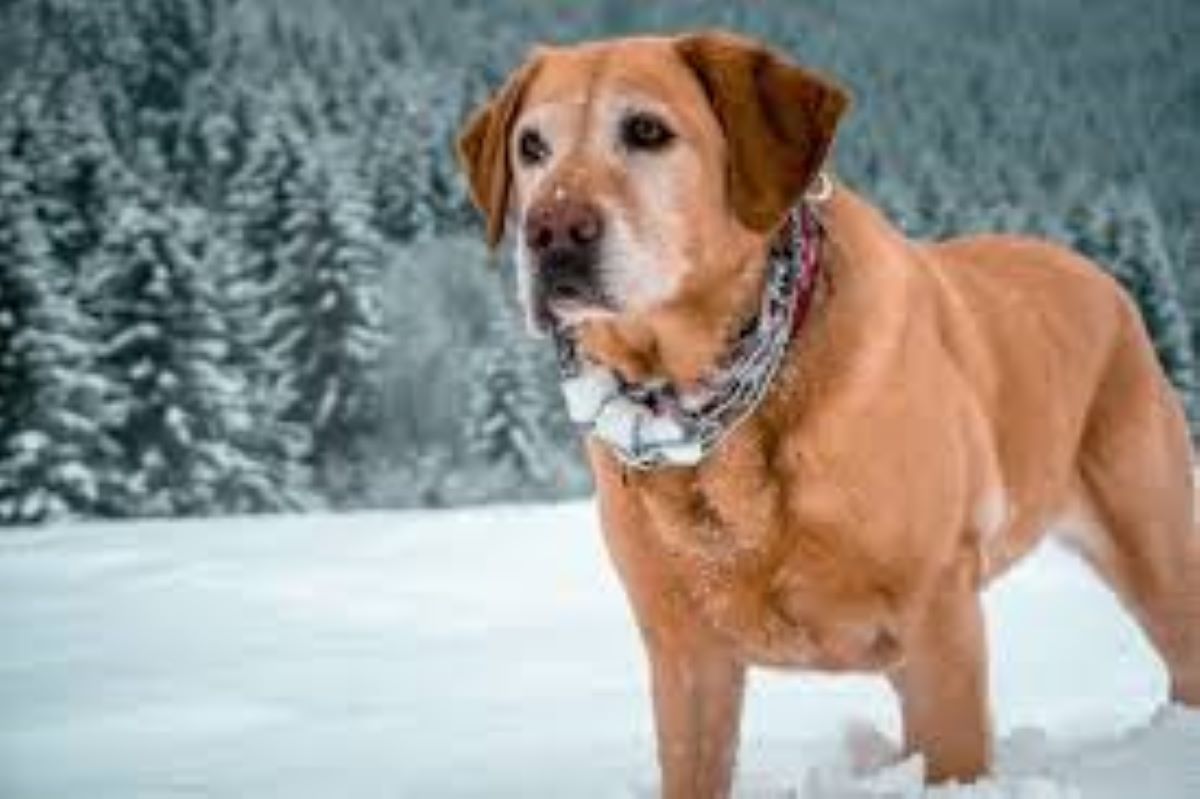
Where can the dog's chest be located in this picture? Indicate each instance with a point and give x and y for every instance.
(766, 571)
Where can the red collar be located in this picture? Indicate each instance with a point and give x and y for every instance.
(809, 239)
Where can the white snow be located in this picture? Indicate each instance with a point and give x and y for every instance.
(488, 653)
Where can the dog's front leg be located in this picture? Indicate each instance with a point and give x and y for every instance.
(698, 687)
(942, 681)
(696, 677)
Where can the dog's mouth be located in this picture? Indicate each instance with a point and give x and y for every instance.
(569, 304)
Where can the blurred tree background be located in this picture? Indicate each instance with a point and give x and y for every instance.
(239, 272)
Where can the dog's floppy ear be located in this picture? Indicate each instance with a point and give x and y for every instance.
(779, 121)
(483, 150)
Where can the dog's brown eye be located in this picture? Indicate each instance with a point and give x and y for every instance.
(644, 131)
(532, 148)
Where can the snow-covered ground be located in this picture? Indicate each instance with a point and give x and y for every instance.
(485, 653)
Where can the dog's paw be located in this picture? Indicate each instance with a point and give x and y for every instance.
(1176, 715)
(867, 749)
(898, 780)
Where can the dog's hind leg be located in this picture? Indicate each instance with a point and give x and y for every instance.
(1135, 473)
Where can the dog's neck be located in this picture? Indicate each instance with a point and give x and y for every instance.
(682, 341)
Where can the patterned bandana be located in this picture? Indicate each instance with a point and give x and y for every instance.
(650, 425)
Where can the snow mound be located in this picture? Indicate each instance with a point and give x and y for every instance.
(1161, 758)
(1158, 759)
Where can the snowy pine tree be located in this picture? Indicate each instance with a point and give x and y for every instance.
(76, 173)
(399, 168)
(1092, 224)
(1144, 267)
(266, 470)
(312, 280)
(508, 418)
(255, 277)
(1189, 279)
(1121, 231)
(266, 193)
(328, 327)
(53, 448)
(165, 346)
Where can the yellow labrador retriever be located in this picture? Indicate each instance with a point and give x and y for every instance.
(936, 408)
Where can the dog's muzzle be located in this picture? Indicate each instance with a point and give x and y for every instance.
(564, 238)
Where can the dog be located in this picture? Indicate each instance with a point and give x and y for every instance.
(938, 408)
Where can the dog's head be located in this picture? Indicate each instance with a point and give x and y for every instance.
(631, 169)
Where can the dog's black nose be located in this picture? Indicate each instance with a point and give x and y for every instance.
(563, 225)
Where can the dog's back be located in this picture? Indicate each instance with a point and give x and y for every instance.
(1089, 433)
